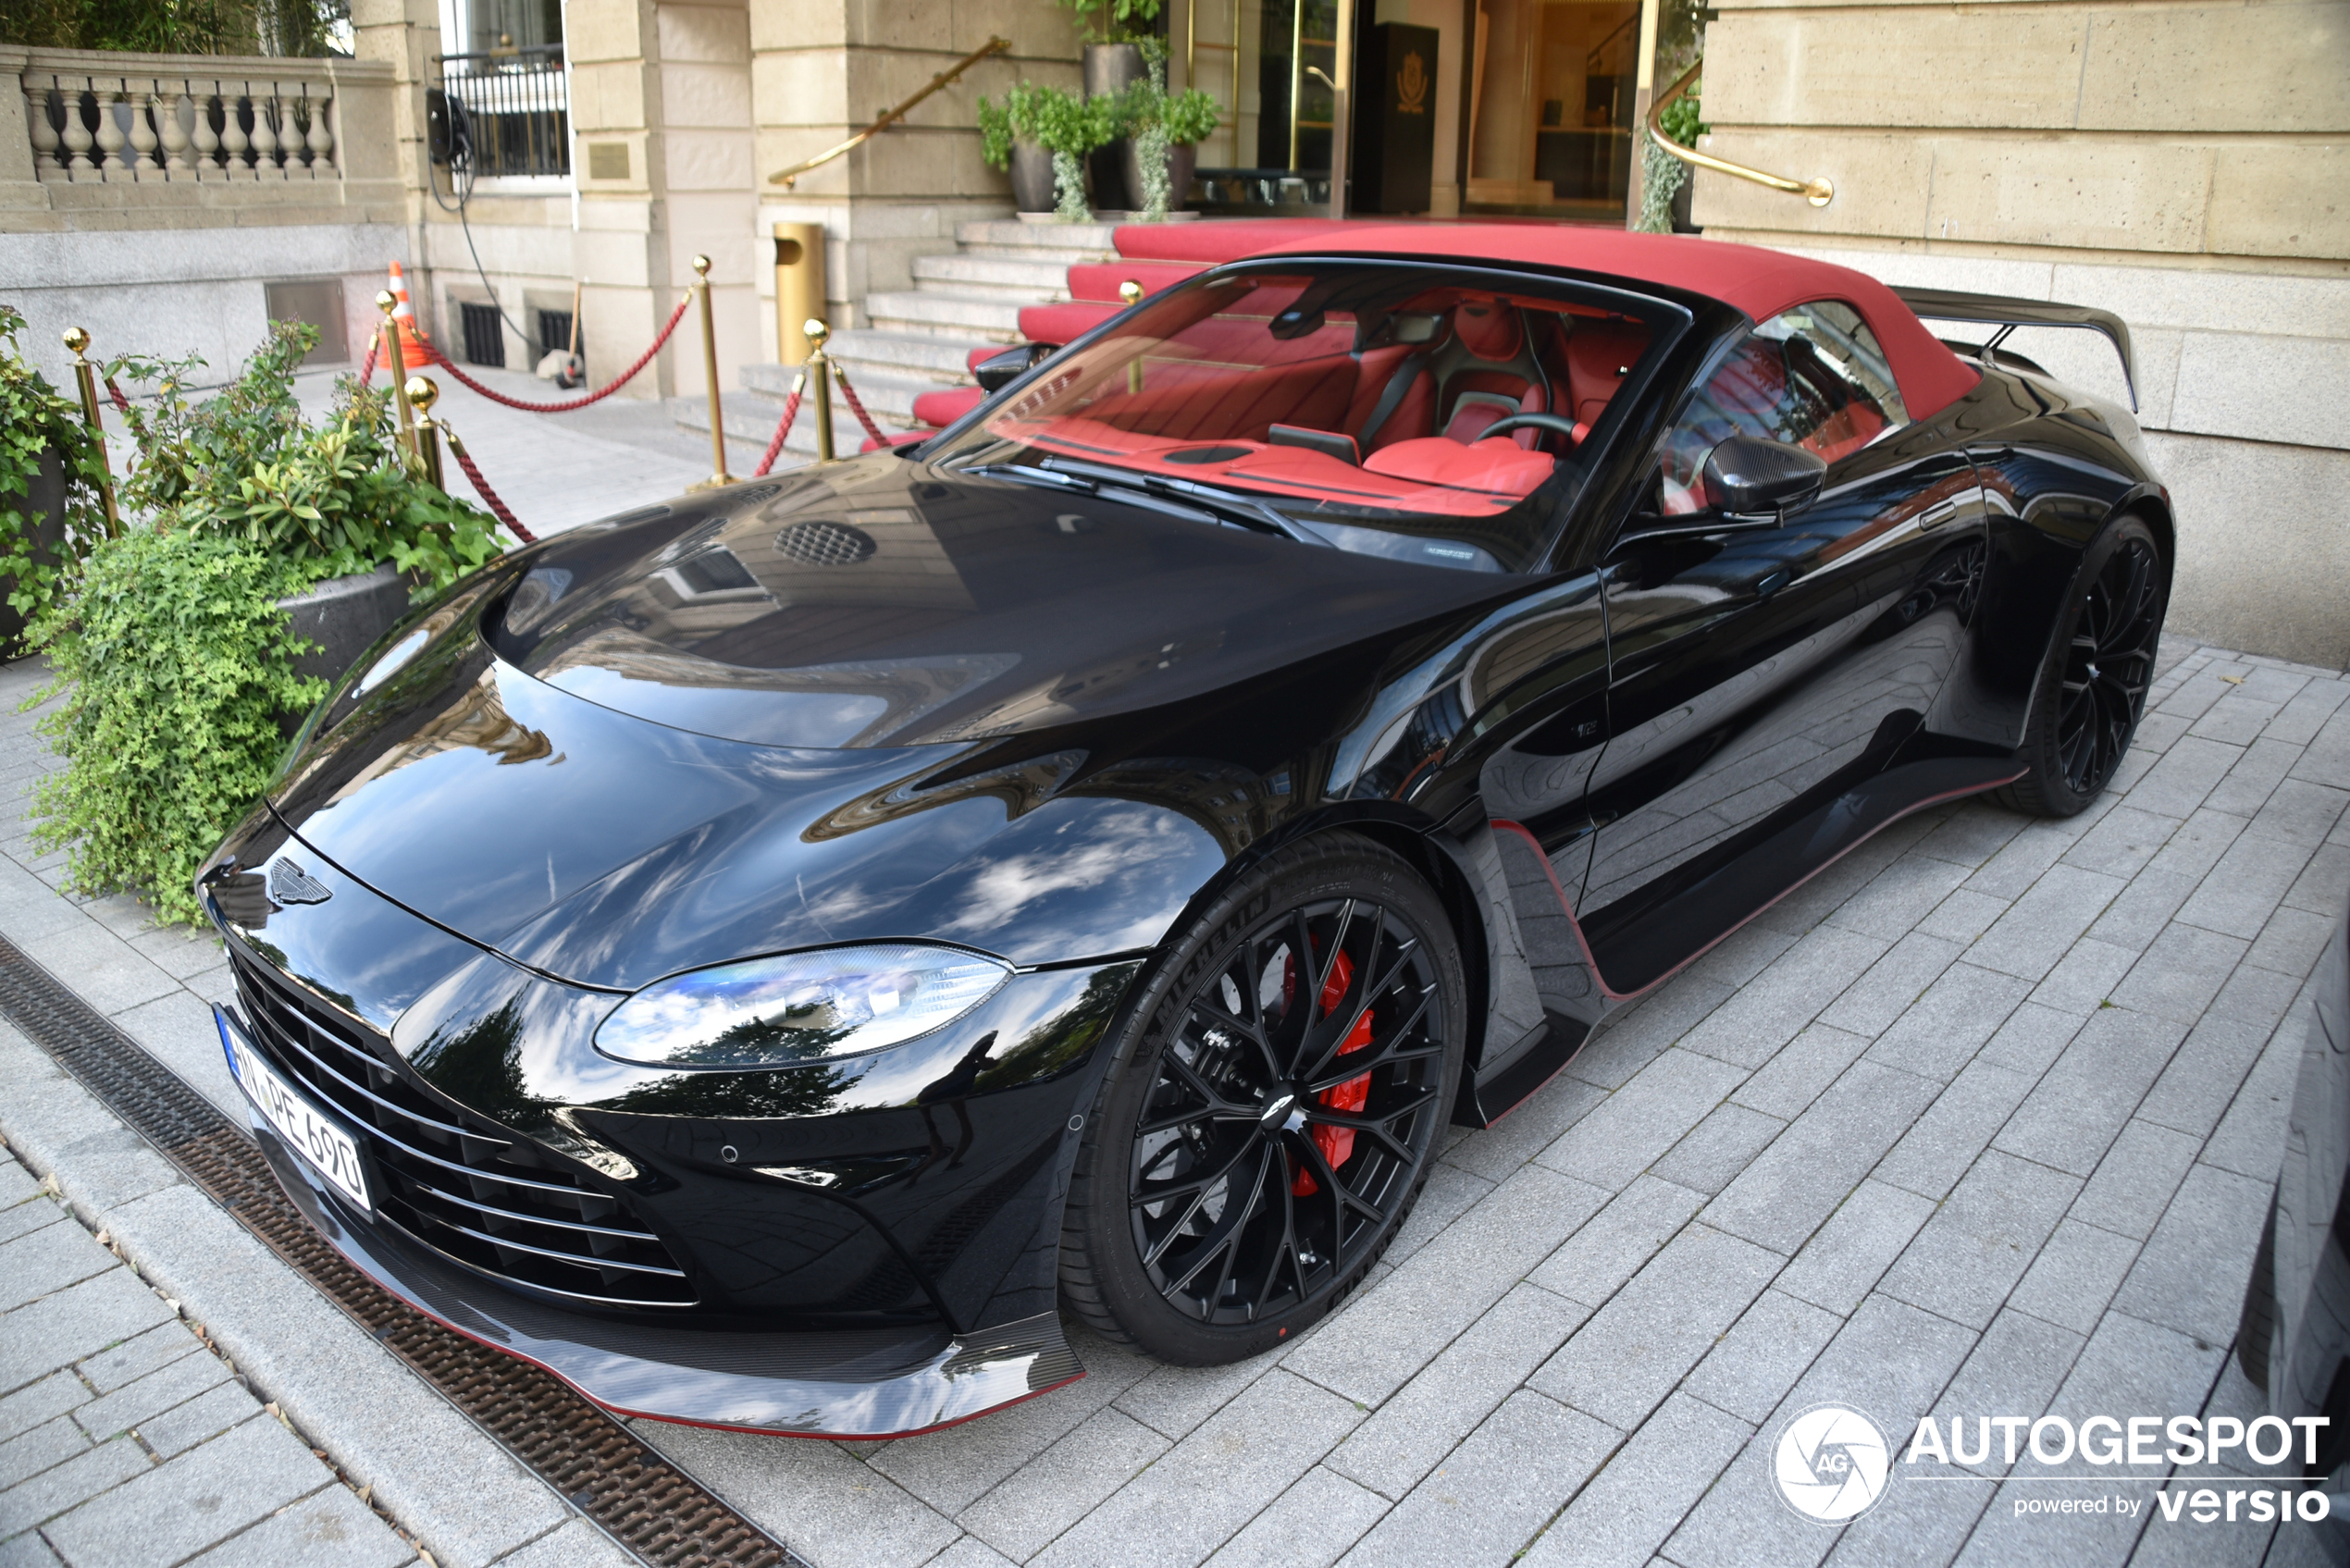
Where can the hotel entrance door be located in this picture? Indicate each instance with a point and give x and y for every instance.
(1551, 90)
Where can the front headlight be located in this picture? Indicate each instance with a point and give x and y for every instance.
(799, 1008)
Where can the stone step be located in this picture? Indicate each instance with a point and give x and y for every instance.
(1030, 281)
(926, 356)
(969, 319)
(1064, 242)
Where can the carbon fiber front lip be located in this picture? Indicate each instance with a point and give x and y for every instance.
(843, 1384)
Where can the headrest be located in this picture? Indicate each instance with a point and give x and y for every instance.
(1489, 329)
(1606, 349)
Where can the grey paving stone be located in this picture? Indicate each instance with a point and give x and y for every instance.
(2250, 1138)
(135, 1357)
(39, 1214)
(1960, 1124)
(2085, 978)
(832, 1509)
(2031, 1040)
(1048, 1494)
(2135, 1180)
(1718, 1148)
(2195, 1089)
(28, 1550)
(180, 1507)
(1626, 1510)
(49, 1259)
(2239, 893)
(1805, 1066)
(949, 1470)
(1959, 1012)
(1970, 835)
(1524, 1132)
(1754, 1365)
(1903, 893)
(2192, 697)
(174, 1384)
(2189, 770)
(198, 1420)
(62, 1487)
(1633, 1128)
(1797, 1182)
(579, 1544)
(1963, 916)
(1889, 1362)
(2132, 920)
(1871, 1003)
(2250, 782)
(331, 1528)
(2307, 713)
(2235, 719)
(1310, 1526)
(1173, 1399)
(1975, 1248)
(2041, 923)
(2023, 863)
(29, 1453)
(2015, 1369)
(1741, 955)
(1400, 1323)
(39, 1403)
(1843, 881)
(2291, 942)
(1448, 1193)
(109, 974)
(1495, 1492)
(1844, 1259)
(2074, 1277)
(1773, 1007)
(2192, 1274)
(969, 1552)
(1618, 1241)
(1413, 1431)
(1631, 1040)
(2320, 889)
(1210, 1485)
(2076, 1110)
(2304, 809)
(72, 1323)
(1621, 1364)
(1913, 1527)
(2125, 840)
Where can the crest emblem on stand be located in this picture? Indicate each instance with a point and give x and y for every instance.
(1410, 85)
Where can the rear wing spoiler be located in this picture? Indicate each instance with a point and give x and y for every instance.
(1950, 304)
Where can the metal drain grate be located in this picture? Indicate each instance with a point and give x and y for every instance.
(645, 1503)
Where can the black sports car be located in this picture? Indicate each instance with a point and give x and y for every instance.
(765, 957)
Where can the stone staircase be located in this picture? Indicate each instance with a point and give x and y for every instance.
(918, 340)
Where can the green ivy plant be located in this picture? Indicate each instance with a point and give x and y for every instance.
(173, 664)
(1157, 119)
(36, 418)
(1662, 174)
(1111, 22)
(327, 499)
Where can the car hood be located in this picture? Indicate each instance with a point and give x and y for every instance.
(999, 738)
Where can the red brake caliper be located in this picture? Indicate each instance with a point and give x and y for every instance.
(1337, 1143)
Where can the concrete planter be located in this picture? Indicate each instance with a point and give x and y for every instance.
(344, 616)
(1110, 68)
(1180, 162)
(1032, 177)
(45, 505)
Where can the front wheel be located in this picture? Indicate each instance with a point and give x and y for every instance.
(1271, 1109)
(2093, 686)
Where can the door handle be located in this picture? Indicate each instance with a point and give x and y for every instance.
(1941, 512)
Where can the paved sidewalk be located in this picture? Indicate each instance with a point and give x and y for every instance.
(125, 1438)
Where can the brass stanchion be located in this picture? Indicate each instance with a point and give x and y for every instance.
(1131, 294)
(394, 361)
(819, 386)
(77, 340)
(421, 393)
(718, 474)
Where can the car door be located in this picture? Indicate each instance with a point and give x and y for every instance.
(1757, 672)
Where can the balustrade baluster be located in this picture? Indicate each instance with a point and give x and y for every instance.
(77, 136)
(44, 135)
(264, 132)
(234, 140)
(207, 140)
(321, 139)
(175, 135)
(111, 162)
(144, 164)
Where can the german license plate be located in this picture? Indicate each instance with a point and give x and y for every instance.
(322, 1143)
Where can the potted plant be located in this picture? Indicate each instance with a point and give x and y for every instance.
(1114, 32)
(1007, 138)
(1062, 124)
(50, 466)
(259, 553)
(1163, 133)
(1665, 182)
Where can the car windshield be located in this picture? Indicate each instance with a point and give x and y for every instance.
(1386, 408)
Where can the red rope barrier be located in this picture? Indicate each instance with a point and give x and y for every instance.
(433, 354)
(481, 487)
(849, 395)
(783, 429)
(367, 370)
(121, 403)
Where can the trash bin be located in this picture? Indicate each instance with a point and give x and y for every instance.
(799, 287)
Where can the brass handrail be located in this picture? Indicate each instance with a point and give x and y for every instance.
(1819, 192)
(788, 177)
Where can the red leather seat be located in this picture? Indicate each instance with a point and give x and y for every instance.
(1599, 356)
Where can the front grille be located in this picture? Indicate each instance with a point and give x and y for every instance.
(475, 1194)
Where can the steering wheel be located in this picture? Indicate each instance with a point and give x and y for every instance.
(1558, 423)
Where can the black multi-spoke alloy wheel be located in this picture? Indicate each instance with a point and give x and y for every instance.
(1270, 1109)
(2093, 688)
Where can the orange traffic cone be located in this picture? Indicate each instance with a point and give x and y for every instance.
(404, 320)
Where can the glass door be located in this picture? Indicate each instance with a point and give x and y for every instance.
(1550, 85)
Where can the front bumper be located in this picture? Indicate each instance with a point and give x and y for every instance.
(887, 1382)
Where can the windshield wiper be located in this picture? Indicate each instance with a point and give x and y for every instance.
(1029, 473)
(1246, 511)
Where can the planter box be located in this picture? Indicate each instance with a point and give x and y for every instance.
(345, 616)
(46, 505)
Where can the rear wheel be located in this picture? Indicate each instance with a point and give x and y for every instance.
(1270, 1112)
(2093, 688)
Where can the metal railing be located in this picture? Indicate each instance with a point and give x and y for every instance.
(515, 105)
(789, 177)
(1819, 192)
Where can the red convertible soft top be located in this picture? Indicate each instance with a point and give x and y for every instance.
(1760, 282)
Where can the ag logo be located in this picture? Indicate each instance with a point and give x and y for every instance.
(289, 883)
(1410, 85)
(1830, 1464)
